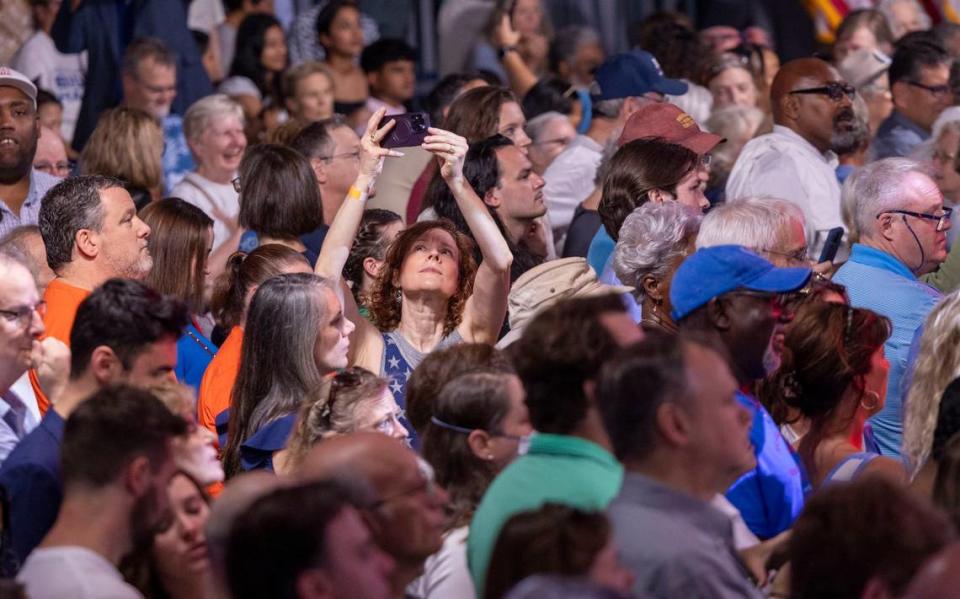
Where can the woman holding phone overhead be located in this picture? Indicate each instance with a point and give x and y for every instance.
(430, 293)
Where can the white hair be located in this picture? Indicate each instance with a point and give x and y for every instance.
(651, 237)
(872, 189)
(736, 124)
(205, 110)
(886, 7)
(762, 224)
(536, 126)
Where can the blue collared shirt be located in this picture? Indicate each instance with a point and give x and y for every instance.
(878, 281)
(31, 477)
(40, 183)
(897, 136)
(770, 496)
(177, 159)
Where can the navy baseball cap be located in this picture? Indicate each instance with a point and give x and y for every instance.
(713, 271)
(634, 73)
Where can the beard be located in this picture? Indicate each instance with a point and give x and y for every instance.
(19, 167)
(848, 132)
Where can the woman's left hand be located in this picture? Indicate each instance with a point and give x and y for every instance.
(451, 150)
(371, 154)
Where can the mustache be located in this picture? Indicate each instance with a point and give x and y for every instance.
(843, 116)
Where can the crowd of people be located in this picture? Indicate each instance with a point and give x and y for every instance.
(280, 317)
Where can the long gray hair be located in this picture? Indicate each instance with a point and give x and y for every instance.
(278, 370)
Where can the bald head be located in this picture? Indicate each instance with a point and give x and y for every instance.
(798, 74)
(51, 155)
(939, 578)
(809, 97)
(385, 462)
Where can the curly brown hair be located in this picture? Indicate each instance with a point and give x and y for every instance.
(385, 304)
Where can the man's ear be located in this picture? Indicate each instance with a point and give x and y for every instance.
(313, 583)
(672, 423)
(320, 170)
(659, 196)
(373, 80)
(87, 243)
(884, 226)
(138, 476)
(790, 106)
(105, 365)
(718, 311)
(493, 198)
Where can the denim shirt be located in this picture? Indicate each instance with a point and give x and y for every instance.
(897, 136)
(877, 281)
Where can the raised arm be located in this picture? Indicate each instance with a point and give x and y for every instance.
(343, 229)
(365, 341)
(521, 77)
(487, 306)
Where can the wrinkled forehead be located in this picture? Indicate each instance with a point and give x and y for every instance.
(438, 237)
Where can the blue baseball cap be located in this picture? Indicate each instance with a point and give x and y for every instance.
(713, 271)
(634, 73)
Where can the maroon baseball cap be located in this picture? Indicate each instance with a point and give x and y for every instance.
(666, 121)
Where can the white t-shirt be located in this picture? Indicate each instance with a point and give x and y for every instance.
(569, 180)
(220, 202)
(60, 74)
(445, 573)
(73, 573)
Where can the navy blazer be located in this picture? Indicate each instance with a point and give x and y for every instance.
(31, 478)
(95, 27)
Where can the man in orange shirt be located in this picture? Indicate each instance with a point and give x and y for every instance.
(92, 233)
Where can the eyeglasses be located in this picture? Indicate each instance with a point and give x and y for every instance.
(834, 90)
(797, 256)
(942, 219)
(57, 169)
(706, 160)
(936, 90)
(236, 184)
(780, 303)
(24, 314)
(328, 159)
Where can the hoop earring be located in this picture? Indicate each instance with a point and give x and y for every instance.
(871, 406)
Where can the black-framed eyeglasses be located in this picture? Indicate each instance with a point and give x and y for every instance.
(236, 184)
(941, 219)
(24, 314)
(328, 159)
(779, 302)
(834, 90)
(937, 90)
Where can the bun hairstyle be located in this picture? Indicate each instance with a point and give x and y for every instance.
(242, 273)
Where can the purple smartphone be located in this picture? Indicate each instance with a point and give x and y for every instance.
(409, 131)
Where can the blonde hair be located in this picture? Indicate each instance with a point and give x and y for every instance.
(127, 144)
(938, 363)
(177, 397)
(333, 411)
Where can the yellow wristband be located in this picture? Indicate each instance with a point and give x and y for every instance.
(354, 194)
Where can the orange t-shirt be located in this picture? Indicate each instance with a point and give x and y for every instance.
(62, 302)
(217, 384)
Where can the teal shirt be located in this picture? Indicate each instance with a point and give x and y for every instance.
(556, 469)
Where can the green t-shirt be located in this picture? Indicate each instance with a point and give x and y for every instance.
(556, 469)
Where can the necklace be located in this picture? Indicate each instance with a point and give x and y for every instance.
(199, 342)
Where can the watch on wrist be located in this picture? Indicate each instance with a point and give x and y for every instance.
(501, 52)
